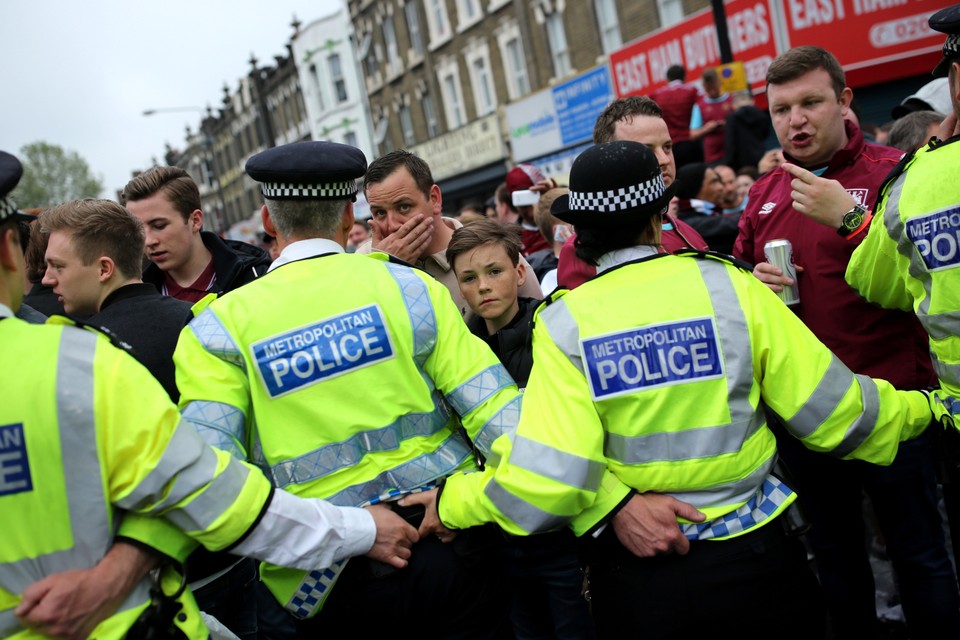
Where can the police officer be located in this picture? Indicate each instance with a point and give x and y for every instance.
(344, 376)
(655, 408)
(86, 433)
(910, 256)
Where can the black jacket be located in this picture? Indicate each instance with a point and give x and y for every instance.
(747, 129)
(150, 324)
(235, 264)
(513, 343)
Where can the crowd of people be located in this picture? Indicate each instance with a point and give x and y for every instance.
(576, 411)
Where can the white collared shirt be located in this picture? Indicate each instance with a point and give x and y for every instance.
(617, 257)
(305, 249)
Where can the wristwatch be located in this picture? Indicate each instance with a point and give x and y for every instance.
(852, 220)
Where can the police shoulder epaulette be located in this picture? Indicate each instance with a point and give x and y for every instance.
(716, 255)
(114, 339)
(203, 303)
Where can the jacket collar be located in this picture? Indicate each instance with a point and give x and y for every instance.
(302, 249)
(617, 257)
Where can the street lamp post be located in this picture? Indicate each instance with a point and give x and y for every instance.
(208, 146)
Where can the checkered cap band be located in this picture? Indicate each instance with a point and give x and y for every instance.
(951, 47)
(618, 199)
(328, 191)
(7, 208)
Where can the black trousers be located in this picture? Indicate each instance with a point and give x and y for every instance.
(448, 591)
(757, 585)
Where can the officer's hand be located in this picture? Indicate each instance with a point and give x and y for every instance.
(73, 603)
(408, 242)
(647, 525)
(395, 537)
(949, 127)
(773, 276)
(431, 518)
(824, 201)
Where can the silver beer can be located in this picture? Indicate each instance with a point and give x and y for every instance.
(779, 253)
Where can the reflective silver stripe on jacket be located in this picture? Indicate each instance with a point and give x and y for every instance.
(478, 389)
(407, 477)
(503, 421)
(866, 422)
(416, 297)
(823, 401)
(193, 465)
(220, 425)
(329, 458)
(90, 524)
(215, 338)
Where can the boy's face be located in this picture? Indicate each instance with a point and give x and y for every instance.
(489, 282)
(168, 238)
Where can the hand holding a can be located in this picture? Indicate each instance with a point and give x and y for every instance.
(773, 276)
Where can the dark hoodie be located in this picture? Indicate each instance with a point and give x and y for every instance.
(512, 344)
(747, 128)
(235, 264)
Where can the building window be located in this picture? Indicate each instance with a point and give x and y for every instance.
(336, 78)
(513, 59)
(393, 52)
(430, 116)
(558, 44)
(671, 12)
(484, 93)
(438, 22)
(469, 13)
(317, 86)
(609, 25)
(350, 138)
(453, 101)
(413, 28)
(406, 125)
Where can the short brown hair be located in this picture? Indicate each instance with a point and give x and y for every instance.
(475, 234)
(175, 184)
(34, 254)
(382, 167)
(542, 217)
(623, 110)
(799, 61)
(99, 228)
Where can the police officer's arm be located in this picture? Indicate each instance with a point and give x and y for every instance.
(214, 393)
(552, 472)
(875, 269)
(471, 378)
(161, 466)
(823, 403)
(71, 604)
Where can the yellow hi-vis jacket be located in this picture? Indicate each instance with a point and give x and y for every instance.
(910, 256)
(652, 377)
(87, 433)
(342, 376)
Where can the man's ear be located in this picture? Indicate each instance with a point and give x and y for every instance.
(436, 200)
(106, 268)
(268, 225)
(9, 246)
(347, 218)
(195, 220)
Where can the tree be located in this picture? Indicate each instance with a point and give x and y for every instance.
(52, 174)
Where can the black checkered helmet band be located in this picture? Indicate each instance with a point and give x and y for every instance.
(7, 208)
(328, 191)
(951, 47)
(618, 199)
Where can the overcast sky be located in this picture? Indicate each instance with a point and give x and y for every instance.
(80, 74)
